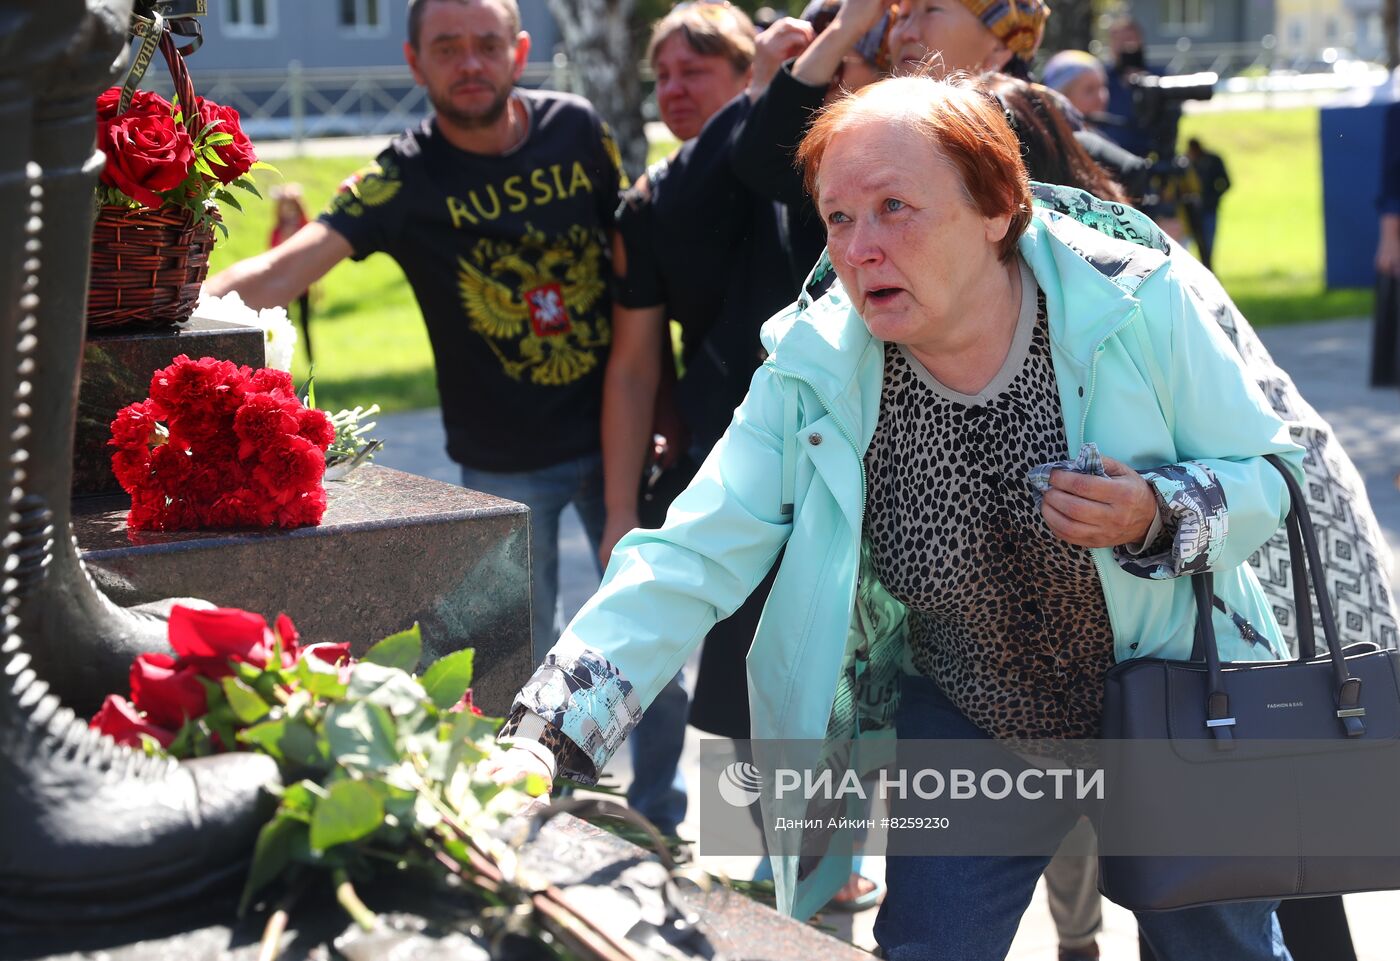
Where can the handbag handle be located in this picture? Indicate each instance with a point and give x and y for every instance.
(1307, 568)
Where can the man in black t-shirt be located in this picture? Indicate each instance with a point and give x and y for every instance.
(497, 209)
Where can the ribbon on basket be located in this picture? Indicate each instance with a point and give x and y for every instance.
(154, 22)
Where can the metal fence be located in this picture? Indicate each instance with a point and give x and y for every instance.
(298, 103)
(1225, 59)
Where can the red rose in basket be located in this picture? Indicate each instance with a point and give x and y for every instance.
(157, 156)
(170, 164)
(217, 445)
(147, 151)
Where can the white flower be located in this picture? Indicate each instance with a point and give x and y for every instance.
(279, 336)
(228, 308)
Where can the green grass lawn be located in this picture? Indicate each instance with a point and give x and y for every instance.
(371, 345)
(1269, 245)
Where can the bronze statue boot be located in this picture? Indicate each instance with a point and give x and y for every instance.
(91, 831)
(89, 641)
(96, 832)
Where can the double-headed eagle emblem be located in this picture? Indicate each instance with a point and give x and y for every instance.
(540, 295)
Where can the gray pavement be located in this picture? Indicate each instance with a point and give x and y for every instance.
(1328, 361)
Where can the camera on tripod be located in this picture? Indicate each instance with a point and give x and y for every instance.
(1157, 105)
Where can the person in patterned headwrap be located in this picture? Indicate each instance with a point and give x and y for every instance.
(941, 36)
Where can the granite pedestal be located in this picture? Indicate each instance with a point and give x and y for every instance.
(429, 924)
(394, 548)
(116, 371)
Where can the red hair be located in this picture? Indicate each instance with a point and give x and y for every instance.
(964, 125)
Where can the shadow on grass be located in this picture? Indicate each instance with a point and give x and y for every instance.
(399, 390)
(1269, 309)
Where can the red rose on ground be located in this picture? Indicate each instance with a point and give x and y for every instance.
(146, 153)
(236, 158)
(222, 632)
(167, 690)
(465, 704)
(214, 668)
(330, 653)
(287, 631)
(120, 720)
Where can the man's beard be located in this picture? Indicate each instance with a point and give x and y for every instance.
(472, 120)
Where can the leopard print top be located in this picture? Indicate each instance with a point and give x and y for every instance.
(1009, 620)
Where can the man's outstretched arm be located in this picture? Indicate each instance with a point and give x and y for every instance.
(279, 276)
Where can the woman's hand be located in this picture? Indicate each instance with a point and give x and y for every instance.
(1388, 251)
(1100, 511)
(618, 523)
(513, 765)
(782, 41)
(858, 17)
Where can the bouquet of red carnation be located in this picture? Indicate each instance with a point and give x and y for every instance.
(217, 445)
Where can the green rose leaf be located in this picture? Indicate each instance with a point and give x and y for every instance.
(361, 736)
(287, 740)
(248, 706)
(448, 678)
(320, 678)
(391, 688)
(350, 811)
(300, 799)
(474, 727)
(273, 851)
(401, 650)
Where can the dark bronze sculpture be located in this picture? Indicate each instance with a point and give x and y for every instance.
(89, 641)
(92, 831)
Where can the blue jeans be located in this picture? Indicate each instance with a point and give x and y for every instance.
(968, 908)
(547, 492)
(657, 791)
(1205, 239)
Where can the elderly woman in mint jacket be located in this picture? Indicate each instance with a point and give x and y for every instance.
(962, 342)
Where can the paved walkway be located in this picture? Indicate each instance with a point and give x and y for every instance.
(1329, 363)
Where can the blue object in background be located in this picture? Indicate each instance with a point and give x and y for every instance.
(1351, 166)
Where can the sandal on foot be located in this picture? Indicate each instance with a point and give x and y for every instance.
(860, 902)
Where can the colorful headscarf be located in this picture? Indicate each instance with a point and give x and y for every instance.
(1019, 24)
(1063, 68)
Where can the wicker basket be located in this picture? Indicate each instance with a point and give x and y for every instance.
(148, 265)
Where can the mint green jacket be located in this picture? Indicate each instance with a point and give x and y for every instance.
(1142, 372)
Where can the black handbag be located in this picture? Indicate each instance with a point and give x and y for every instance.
(1253, 780)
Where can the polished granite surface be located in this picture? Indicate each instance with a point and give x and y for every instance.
(394, 548)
